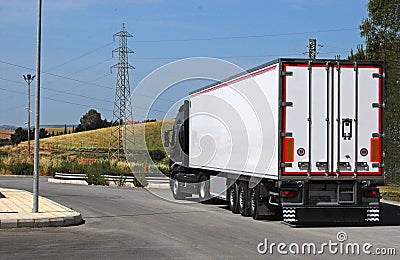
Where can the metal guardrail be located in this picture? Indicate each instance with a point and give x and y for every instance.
(129, 178)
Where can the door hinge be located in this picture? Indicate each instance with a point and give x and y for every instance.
(363, 165)
(303, 165)
(378, 135)
(378, 105)
(377, 75)
(286, 73)
(355, 66)
(337, 66)
(286, 104)
(286, 134)
(286, 165)
(323, 165)
(378, 165)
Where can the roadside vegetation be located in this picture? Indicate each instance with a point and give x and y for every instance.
(87, 152)
(390, 192)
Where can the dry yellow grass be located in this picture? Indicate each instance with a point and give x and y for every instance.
(95, 139)
(6, 134)
(152, 132)
(56, 130)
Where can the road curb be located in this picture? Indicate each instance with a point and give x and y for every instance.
(16, 212)
(391, 202)
(158, 186)
(151, 185)
(80, 182)
(42, 222)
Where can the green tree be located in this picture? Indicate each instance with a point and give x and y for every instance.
(21, 135)
(43, 133)
(90, 121)
(359, 55)
(381, 30)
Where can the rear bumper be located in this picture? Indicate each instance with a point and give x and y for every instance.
(360, 215)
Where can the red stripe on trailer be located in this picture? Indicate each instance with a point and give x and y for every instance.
(380, 116)
(235, 80)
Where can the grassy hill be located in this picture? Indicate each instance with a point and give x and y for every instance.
(67, 153)
(145, 134)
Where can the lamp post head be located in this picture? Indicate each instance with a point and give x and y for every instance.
(28, 77)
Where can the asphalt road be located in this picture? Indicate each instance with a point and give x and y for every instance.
(135, 224)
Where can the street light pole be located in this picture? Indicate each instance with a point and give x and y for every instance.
(37, 114)
(29, 78)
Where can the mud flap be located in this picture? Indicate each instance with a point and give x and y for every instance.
(289, 215)
(373, 215)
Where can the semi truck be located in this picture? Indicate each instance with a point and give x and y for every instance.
(295, 139)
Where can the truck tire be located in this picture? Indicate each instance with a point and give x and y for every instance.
(178, 195)
(244, 199)
(204, 189)
(254, 203)
(233, 198)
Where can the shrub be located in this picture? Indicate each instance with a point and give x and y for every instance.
(95, 178)
(157, 155)
(163, 168)
(58, 166)
(2, 153)
(22, 169)
(101, 167)
(120, 180)
(140, 181)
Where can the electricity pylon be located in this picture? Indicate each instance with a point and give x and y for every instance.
(122, 107)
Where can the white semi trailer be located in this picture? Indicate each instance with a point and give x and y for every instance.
(294, 138)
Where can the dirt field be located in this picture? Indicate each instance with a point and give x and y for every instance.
(6, 134)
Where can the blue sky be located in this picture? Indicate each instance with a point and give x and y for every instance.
(77, 43)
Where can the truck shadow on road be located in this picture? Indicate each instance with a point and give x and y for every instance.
(389, 216)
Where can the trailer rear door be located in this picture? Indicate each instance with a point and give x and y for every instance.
(331, 119)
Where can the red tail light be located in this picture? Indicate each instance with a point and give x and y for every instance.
(371, 193)
(289, 194)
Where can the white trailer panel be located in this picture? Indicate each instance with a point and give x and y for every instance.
(294, 117)
(234, 125)
(334, 123)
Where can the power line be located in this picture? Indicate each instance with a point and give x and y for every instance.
(77, 104)
(77, 80)
(13, 91)
(54, 90)
(72, 94)
(106, 87)
(248, 36)
(57, 100)
(81, 56)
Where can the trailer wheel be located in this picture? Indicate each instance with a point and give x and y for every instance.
(244, 200)
(204, 189)
(178, 195)
(233, 198)
(254, 203)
